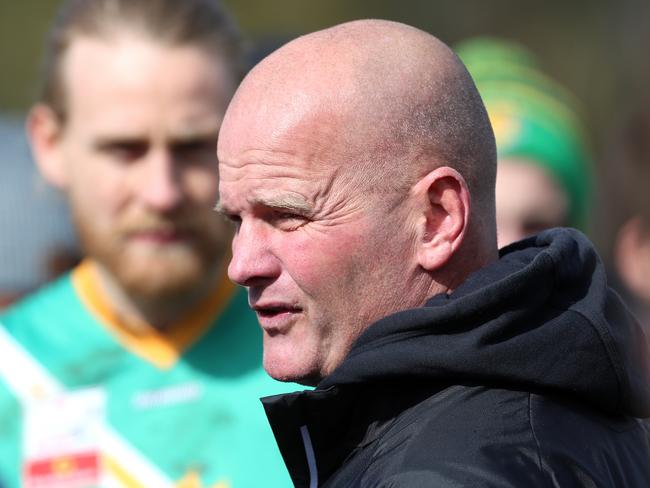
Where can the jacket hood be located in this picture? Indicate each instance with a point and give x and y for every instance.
(540, 319)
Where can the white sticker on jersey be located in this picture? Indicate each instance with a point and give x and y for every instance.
(61, 440)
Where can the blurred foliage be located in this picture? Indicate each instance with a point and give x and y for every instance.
(22, 31)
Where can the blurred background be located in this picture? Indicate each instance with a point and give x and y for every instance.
(598, 49)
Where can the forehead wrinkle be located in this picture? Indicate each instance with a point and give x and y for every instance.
(267, 162)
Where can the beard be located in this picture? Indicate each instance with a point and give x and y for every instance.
(188, 250)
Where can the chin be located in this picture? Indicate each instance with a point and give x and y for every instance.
(289, 367)
(159, 276)
(290, 377)
(154, 271)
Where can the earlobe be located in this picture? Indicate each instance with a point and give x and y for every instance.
(44, 131)
(445, 201)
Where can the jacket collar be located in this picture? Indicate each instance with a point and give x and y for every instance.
(317, 431)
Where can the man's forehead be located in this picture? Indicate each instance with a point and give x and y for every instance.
(269, 116)
(128, 67)
(114, 127)
(115, 106)
(279, 94)
(354, 63)
(285, 137)
(291, 177)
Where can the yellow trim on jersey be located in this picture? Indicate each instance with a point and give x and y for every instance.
(161, 348)
(193, 480)
(120, 474)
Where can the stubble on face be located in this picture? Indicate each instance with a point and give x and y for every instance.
(154, 271)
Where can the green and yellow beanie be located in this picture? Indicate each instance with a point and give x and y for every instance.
(532, 116)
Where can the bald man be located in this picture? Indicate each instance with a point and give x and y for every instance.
(358, 166)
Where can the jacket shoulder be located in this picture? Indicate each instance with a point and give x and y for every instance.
(479, 436)
(460, 436)
(579, 443)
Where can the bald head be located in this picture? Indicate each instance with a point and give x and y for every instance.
(404, 102)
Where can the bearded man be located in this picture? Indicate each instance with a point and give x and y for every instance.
(143, 366)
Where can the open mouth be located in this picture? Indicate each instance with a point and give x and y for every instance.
(276, 318)
(274, 311)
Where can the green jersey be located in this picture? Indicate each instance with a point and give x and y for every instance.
(86, 402)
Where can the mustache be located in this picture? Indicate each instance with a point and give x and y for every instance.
(158, 223)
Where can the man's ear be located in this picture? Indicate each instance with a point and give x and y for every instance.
(445, 204)
(44, 129)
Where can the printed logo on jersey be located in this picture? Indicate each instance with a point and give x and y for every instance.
(167, 396)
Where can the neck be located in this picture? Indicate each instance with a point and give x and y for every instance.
(474, 254)
(160, 312)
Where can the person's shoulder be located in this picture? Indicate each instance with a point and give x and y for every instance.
(52, 323)
(465, 422)
(478, 436)
(48, 302)
(460, 411)
(27, 330)
(459, 436)
(566, 429)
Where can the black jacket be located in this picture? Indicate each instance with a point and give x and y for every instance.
(531, 373)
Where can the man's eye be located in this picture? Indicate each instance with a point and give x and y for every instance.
(125, 151)
(288, 220)
(234, 220)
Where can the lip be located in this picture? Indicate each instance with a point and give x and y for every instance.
(158, 236)
(276, 317)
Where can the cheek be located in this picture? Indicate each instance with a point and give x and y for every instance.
(96, 188)
(322, 264)
(97, 196)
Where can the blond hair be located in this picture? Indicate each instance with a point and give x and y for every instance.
(201, 23)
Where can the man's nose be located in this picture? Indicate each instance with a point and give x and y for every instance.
(253, 263)
(162, 188)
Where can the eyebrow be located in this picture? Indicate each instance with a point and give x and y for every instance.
(221, 209)
(191, 135)
(293, 203)
(290, 203)
(106, 141)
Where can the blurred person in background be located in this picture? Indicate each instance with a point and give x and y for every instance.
(143, 366)
(37, 240)
(630, 168)
(544, 175)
